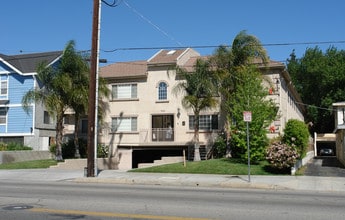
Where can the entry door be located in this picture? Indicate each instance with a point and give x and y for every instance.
(163, 128)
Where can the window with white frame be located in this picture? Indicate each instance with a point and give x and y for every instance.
(3, 86)
(162, 91)
(206, 122)
(124, 91)
(3, 115)
(124, 124)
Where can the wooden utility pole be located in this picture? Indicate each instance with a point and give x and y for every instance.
(92, 128)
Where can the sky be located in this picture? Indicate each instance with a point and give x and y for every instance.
(30, 26)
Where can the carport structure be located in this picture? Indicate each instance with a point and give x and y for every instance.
(324, 139)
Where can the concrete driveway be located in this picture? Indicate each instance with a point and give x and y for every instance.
(325, 166)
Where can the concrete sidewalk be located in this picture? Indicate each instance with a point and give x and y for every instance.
(224, 181)
(312, 183)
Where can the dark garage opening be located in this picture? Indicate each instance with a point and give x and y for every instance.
(330, 145)
(149, 155)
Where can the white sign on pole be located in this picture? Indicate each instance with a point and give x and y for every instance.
(247, 116)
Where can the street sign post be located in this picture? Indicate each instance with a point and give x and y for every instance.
(247, 117)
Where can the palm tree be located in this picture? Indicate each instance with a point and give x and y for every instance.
(61, 87)
(75, 65)
(51, 93)
(230, 63)
(78, 70)
(200, 89)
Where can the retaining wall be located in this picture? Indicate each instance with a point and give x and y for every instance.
(301, 163)
(25, 155)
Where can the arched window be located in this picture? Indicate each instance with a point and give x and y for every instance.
(162, 91)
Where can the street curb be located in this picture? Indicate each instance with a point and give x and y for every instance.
(170, 181)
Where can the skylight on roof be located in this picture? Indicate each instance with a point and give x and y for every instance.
(171, 52)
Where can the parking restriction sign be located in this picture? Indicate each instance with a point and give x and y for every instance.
(247, 116)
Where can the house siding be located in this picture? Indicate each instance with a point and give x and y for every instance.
(21, 126)
(18, 86)
(19, 122)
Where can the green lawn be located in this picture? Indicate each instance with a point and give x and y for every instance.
(29, 164)
(214, 166)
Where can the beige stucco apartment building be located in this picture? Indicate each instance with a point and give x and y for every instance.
(146, 120)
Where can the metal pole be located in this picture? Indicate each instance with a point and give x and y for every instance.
(248, 149)
(92, 91)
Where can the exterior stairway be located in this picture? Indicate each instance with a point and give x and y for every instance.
(162, 161)
(76, 164)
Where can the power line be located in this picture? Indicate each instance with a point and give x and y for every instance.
(205, 46)
(317, 107)
(151, 23)
(114, 4)
(224, 45)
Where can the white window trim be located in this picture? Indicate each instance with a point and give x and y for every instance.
(124, 98)
(158, 91)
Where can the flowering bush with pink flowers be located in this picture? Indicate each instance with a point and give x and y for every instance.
(281, 156)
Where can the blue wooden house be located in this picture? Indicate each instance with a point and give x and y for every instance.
(17, 76)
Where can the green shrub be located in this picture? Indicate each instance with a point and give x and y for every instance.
(68, 149)
(257, 143)
(281, 156)
(52, 149)
(296, 134)
(219, 147)
(3, 146)
(13, 146)
(102, 151)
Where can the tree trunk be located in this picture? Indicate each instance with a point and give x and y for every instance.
(197, 152)
(59, 130)
(76, 140)
(196, 138)
(228, 139)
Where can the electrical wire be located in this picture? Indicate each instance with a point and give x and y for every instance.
(151, 23)
(317, 107)
(224, 45)
(114, 4)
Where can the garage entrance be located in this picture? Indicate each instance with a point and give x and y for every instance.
(325, 144)
(149, 155)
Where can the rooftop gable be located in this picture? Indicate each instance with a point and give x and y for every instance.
(139, 68)
(124, 69)
(172, 57)
(27, 63)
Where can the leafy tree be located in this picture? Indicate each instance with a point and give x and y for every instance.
(235, 64)
(319, 78)
(200, 89)
(296, 134)
(250, 95)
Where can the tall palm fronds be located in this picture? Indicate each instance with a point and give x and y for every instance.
(230, 62)
(200, 90)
